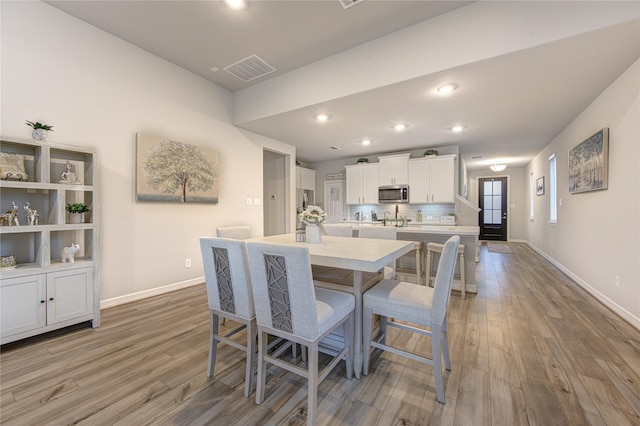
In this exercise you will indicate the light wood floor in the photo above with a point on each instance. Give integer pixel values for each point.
(530, 348)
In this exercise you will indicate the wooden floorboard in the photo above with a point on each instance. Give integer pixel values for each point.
(531, 347)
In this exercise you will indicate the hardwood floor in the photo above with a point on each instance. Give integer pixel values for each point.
(530, 348)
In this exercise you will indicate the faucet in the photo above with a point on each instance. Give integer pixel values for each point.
(396, 211)
(384, 217)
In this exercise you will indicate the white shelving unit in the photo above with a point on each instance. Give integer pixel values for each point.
(42, 293)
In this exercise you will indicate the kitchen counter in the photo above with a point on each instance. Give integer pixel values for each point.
(421, 228)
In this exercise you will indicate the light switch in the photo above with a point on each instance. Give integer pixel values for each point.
(257, 202)
(560, 201)
(249, 201)
(513, 206)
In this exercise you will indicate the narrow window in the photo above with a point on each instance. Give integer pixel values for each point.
(553, 194)
(532, 190)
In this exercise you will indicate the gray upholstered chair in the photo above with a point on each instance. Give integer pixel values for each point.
(288, 306)
(382, 233)
(239, 232)
(421, 305)
(229, 295)
(338, 230)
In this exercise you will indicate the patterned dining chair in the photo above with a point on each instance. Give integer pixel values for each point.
(421, 305)
(288, 306)
(229, 296)
(238, 232)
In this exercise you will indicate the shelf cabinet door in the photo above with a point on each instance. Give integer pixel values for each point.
(370, 183)
(354, 184)
(419, 181)
(22, 304)
(69, 295)
(443, 180)
(394, 169)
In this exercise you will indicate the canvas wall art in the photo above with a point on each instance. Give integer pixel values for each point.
(172, 171)
(540, 186)
(588, 164)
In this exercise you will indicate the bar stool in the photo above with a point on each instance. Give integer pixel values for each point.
(437, 248)
(408, 273)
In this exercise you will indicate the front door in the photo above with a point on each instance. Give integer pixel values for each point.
(493, 205)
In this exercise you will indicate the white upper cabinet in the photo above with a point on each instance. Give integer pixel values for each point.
(362, 183)
(394, 169)
(305, 178)
(432, 180)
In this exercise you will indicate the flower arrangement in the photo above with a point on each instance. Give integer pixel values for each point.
(37, 125)
(312, 214)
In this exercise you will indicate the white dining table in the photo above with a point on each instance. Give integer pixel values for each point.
(360, 255)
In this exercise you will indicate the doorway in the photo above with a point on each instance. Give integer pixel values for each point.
(493, 205)
(275, 192)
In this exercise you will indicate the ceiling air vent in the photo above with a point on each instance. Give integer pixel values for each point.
(250, 68)
(348, 3)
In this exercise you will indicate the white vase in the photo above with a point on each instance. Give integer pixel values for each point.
(313, 233)
(75, 217)
(39, 134)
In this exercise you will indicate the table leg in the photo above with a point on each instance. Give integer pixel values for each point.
(357, 335)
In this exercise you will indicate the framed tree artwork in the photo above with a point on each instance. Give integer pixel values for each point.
(177, 172)
(589, 164)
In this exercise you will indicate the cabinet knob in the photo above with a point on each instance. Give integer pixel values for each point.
(51, 298)
(42, 301)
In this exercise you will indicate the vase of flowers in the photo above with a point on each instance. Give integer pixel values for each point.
(313, 216)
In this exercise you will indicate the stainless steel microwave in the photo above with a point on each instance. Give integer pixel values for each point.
(393, 194)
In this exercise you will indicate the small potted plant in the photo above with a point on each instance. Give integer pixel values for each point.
(40, 130)
(430, 153)
(75, 212)
(362, 160)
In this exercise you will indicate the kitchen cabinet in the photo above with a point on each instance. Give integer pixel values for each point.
(362, 183)
(305, 178)
(42, 293)
(394, 169)
(432, 180)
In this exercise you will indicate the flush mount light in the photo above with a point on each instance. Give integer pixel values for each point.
(322, 117)
(457, 129)
(365, 142)
(498, 167)
(447, 88)
(400, 127)
(236, 4)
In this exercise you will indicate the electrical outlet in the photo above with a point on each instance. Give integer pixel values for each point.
(257, 202)
(617, 281)
(187, 263)
(249, 201)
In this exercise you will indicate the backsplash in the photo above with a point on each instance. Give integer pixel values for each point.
(406, 210)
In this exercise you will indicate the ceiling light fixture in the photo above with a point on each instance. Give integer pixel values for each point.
(457, 129)
(322, 117)
(365, 142)
(447, 88)
(236, 4)
(400, 127)
(498, 167)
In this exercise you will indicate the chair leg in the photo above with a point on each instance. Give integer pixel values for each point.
(437, 361)
(347, 331)
(428, 267)
(213, 343)
(463, 275)
(313, 384)
(445, 346)
(249, 377)
(262, 366)
(366, 335)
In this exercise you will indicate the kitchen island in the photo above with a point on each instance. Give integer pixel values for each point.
(435, 232)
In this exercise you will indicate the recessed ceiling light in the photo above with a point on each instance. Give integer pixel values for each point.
(447, 88)
(322, 117)
(365, 142)
(400, 127)
(457, 129)
(236, 4)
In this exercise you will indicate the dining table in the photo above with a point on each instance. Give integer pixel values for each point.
(362, 258)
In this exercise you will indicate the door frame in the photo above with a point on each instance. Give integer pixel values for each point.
(508, 198)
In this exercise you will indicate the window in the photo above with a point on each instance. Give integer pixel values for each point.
(532, 191)
(553, 194)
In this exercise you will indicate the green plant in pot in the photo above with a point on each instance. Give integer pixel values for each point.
(39, 130)
(362, 160)
(430, 153)
(75, 211)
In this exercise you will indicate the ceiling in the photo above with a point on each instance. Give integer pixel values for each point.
(511, 106)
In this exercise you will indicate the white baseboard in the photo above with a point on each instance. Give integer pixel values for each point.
(120, 300)
(628, 316)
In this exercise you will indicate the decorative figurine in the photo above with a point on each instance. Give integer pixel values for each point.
(11, 216)
(68, 176)
(32, 215)
(68, 253)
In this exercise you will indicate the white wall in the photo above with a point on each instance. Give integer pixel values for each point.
(99, 91)
(597, 236)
